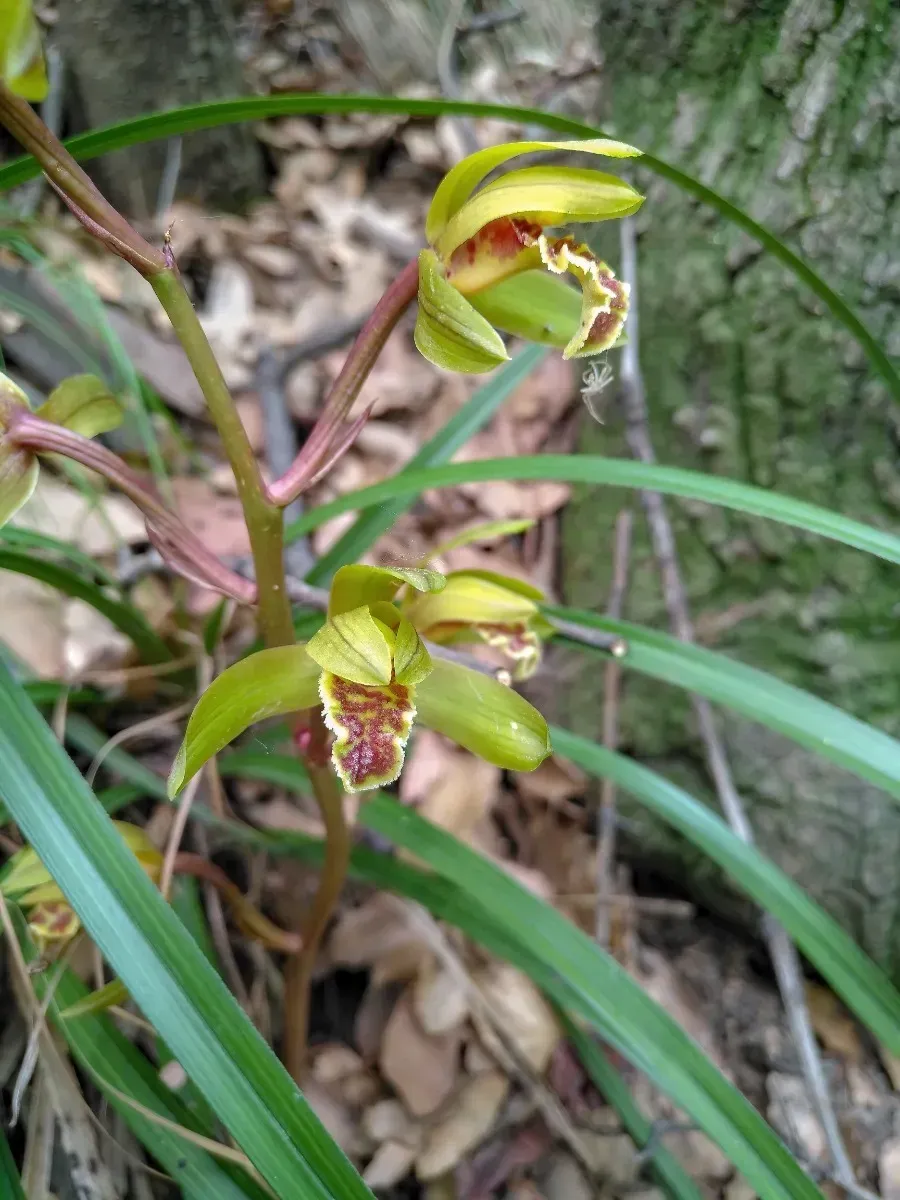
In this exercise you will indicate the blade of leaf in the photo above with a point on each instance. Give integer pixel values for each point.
(666, 1169)
(614, 472)
(474, 415)
(484, 902)
(814, 723)
(107, 1055)
(10, 1183)
(159, 963)
(124, 616)
(258, 108)
(852, 974)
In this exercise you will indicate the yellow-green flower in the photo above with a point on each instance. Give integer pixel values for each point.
(493, 262)
(21, 58)
(373, 676)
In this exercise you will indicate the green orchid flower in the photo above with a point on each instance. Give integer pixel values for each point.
(371, 672)
(492, 264)
(21, 57)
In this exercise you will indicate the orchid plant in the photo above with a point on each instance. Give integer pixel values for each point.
(384, 656)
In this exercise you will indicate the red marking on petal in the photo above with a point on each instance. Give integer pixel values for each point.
(371, 727)
(490, 254)
(53, 920)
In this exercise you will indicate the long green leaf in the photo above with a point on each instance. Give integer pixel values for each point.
(109, 1058)
(257, 108)
(124, 616)
(474, 415)
(29, 539)
(10, 1183)
(615, 472)
(862, 985)
(668, 1172)
(812, 722)
(487, 904)
(160, 964)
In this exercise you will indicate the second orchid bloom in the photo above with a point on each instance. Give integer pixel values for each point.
(370, 670)
(494, 263)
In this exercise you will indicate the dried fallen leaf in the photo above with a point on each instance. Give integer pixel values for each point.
(451, 788)
(388, 1120)
(217, 520)
(521, 1013)
(33, 615)
(440, 999)
(377, 931)
(889, 1170)
(390, 1163)
(467, 1121)
(421, 1067)
(98, 524)
(833, 1024)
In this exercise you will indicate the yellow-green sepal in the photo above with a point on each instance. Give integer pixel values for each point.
(353, 645)
(483, 716)
(543, 195)
(412, 662)
(483, 532)
(269, 683)
(357, 584)
(18, 467)
(459, 182)
(470, 600)
(534, 305)
(84, 404)
(114, 992)
(21, 57)
(449, 332)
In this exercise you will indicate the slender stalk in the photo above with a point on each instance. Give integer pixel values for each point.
(75, 186)
(347, 386)
(265, 526)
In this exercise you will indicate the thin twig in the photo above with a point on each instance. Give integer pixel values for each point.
(447, 74)
(781, 949)
(612, 675)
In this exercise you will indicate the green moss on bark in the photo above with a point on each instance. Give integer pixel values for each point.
(793, 110)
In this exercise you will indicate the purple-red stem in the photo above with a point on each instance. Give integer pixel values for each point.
(174, 539)
(329, 430)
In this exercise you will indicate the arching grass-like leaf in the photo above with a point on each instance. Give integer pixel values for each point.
(814, 723)
(257, 108)
(615, 472)
(160, 964)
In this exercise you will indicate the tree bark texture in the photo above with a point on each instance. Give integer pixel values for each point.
(792, 109)
(126, 58)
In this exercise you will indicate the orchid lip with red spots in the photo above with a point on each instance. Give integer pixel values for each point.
(487, 250)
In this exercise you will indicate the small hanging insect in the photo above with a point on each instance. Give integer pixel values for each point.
(595, 380)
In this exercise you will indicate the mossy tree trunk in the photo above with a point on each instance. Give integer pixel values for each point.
(793, 110)
(126, 58)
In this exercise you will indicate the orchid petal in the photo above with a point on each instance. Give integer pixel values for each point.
(482, 715)
(543, 195)
(357, 584)
(371, 727)
(449, 332)
(459, 182)
(353, 646)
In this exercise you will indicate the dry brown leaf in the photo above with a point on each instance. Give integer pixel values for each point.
(376, 932)
(33, 615)
(391, 1162)
(98, 524)
(833, 1024)
(889, 1170)
(453, 789)
(279, 261)
(467, 1121)
(553, 781)
(791, 1113)
(422, 1068)
(335, 1062)
(388, 1120)
(217, 520)
(440, 999)
(338, 1118)
(564, 1179)
(91, 640)
(522, 1014)
(227, 318)
(372, 1017)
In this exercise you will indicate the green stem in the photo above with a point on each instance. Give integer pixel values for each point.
(265, 525)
